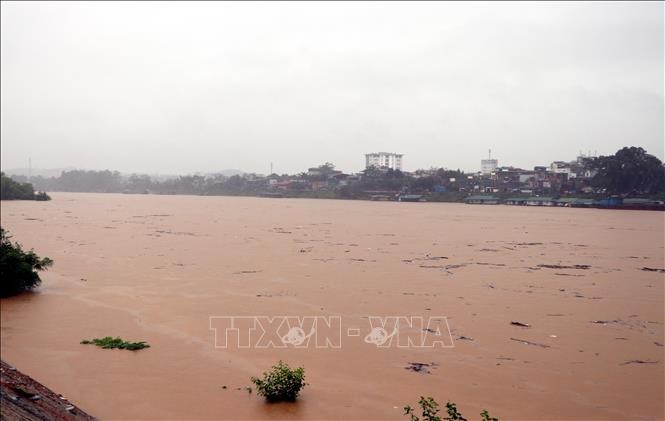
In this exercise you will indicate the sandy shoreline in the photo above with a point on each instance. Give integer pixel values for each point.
(156, 268)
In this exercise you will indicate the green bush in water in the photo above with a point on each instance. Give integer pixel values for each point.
(109, 342)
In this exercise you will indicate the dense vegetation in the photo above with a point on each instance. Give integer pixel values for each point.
(109, 342)
(12, 190)
(18, 268)
(629, 171)
(281, 384)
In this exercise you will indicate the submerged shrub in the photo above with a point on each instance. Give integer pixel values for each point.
(281, 384)
(430, 408)
(109, 342)
(453, 414)
(485, 416)
(18, 268)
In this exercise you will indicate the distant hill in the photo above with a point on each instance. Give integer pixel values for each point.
(49, 172)
(55, 172)
(231, 172)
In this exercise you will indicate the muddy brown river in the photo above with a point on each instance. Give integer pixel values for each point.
(394, 301)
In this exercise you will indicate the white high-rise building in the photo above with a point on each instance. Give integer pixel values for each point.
(384, 160)
(488, 166)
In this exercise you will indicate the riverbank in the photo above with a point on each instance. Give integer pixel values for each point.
(24, 399)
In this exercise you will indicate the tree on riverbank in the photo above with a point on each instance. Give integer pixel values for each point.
(18, 268)
(629, 171)
(13, 190)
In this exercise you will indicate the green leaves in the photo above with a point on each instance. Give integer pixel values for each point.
(453, 413)
(430, 409)
(486, 417)
(281, 384)
(109, 342)
(629, 171)
(18, 268)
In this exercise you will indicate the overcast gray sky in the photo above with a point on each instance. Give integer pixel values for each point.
(185, 87)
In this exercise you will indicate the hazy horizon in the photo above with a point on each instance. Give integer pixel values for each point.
(176, 88)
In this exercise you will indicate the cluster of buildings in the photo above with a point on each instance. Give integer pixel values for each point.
(558, 178)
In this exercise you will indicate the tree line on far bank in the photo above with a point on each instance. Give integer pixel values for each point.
(630, 171)
(13, 190)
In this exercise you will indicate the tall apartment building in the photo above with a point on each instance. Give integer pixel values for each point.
(488, 166)
(384, 160)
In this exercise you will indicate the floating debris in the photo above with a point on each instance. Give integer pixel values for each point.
(428, 257)
(456, 266)
(520, 324)
(279, 230)
(420, 367)
(582, 267)
(638, 362)
(525, 342)
(653, 270)
(604, 322)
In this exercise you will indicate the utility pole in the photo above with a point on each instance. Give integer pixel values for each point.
(29, 169)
